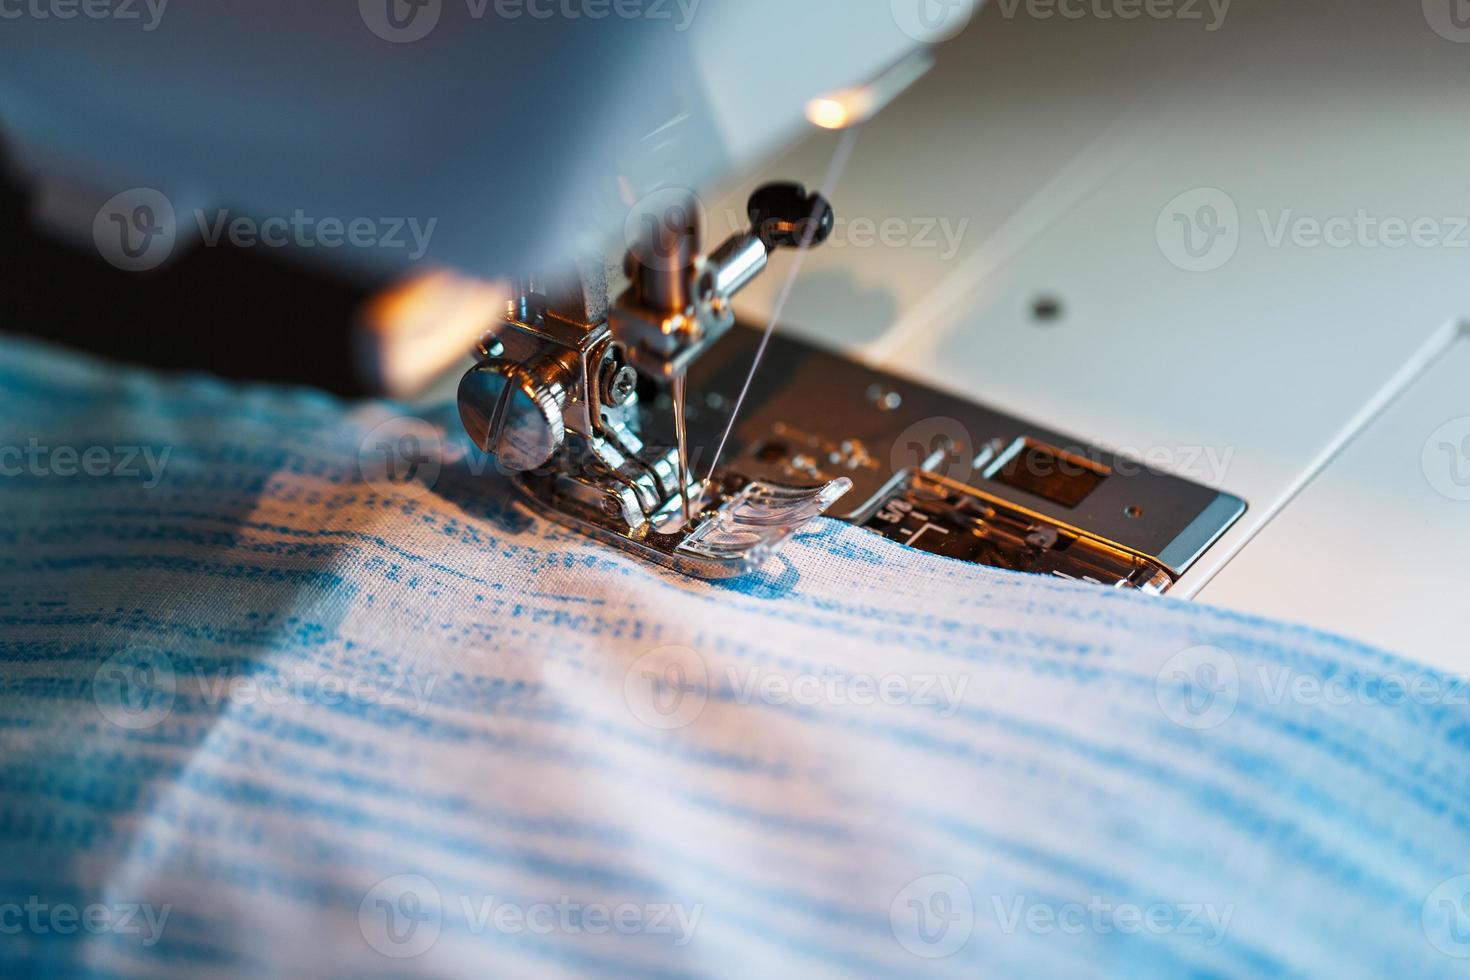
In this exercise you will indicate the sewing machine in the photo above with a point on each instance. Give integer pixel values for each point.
(601, 406)
(930, 402)
(589, 405)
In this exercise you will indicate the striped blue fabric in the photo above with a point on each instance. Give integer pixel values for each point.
(293, 687)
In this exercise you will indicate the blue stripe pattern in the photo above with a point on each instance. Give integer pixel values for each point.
(269, 709)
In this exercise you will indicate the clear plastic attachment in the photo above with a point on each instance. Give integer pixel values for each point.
(737, 526)
(747, 528)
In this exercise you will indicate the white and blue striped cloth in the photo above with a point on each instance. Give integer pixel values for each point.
(266, 710)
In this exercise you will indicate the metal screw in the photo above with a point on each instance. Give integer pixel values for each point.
(622, 385)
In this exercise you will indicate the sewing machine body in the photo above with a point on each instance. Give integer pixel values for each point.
(1324, 385)
(1051, 259)
(516, 129)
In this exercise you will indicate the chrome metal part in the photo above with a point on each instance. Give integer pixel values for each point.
(586, 402)
(945, 475)
(556, 395)
(514, 411)
(678, 303)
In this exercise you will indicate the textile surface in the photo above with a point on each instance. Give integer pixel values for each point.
(294, 687)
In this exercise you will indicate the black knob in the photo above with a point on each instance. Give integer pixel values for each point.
(786, 216)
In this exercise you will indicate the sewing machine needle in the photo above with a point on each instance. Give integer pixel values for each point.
(677, 390)
(834, 173)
